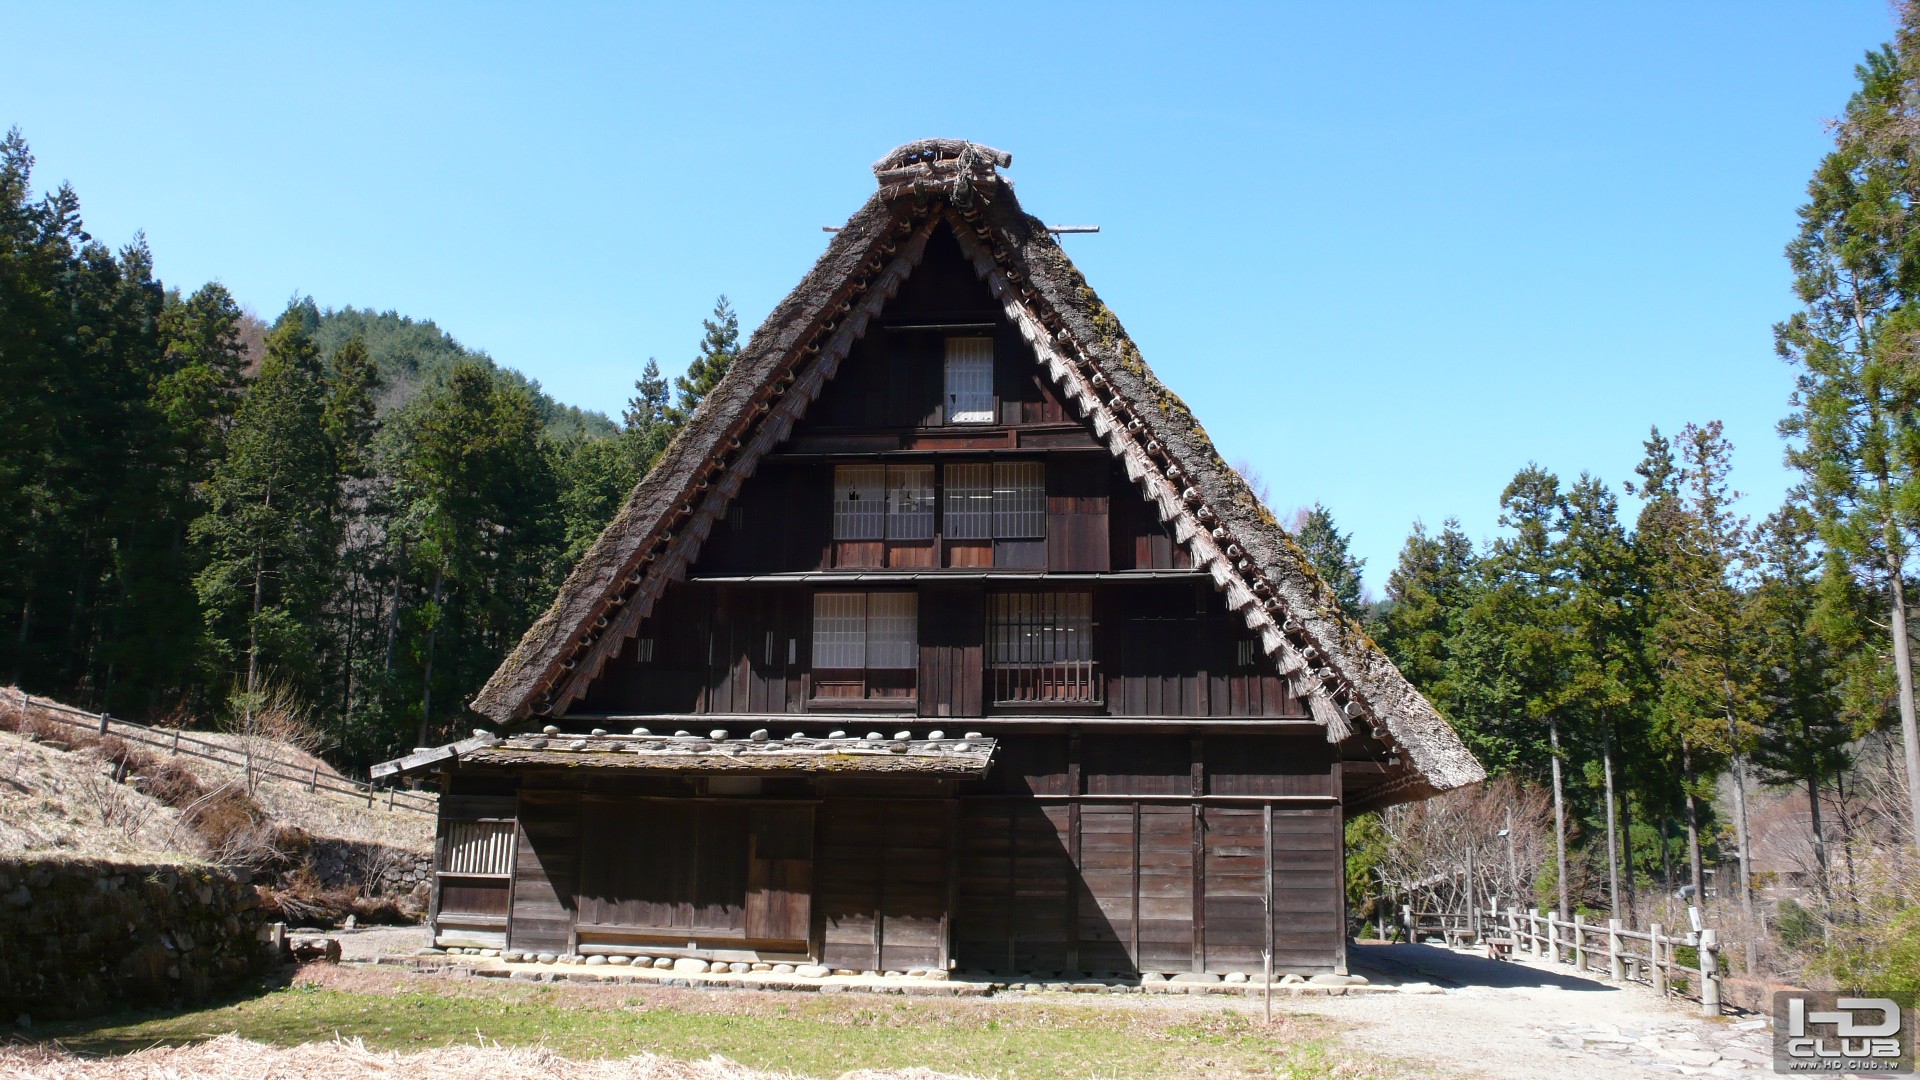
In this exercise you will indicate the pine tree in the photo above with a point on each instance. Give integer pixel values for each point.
(718, 346)
(1425, 595)
(1853, 433)
(1330, 553)
(1803, 735)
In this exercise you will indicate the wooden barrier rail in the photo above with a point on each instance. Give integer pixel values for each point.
(174, 741)
(1609, 949)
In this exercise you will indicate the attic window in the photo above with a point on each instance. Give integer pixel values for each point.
(998, 500)
(969, 380)
(882, 502)
(865, 645)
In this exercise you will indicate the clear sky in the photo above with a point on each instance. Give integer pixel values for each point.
(1389, 253)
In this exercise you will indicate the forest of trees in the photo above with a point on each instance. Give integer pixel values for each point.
(343, 509)
(1651, 666)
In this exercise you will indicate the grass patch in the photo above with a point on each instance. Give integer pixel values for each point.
(809, 1034)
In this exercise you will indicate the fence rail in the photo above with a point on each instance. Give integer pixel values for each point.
(175, 741)
(1650, 956)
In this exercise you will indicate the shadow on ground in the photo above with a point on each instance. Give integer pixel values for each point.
(1399, 963)
(97, 1036)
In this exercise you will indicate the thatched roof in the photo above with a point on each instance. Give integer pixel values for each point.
(1349, 684)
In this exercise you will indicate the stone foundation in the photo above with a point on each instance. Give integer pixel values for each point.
(83, 937)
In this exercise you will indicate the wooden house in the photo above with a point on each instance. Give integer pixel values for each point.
(940, 638)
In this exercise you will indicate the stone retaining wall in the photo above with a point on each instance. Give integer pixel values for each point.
(79, 937)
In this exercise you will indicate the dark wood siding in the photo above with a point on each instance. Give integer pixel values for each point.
(951, 676)
(1077, 532)
(1239, 764)
(1308, 868)
(544, 872)
(883, 896)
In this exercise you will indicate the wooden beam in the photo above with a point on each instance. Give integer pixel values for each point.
(421, 759)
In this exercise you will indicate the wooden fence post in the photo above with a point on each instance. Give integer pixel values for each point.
(104, 721)
(1659, 969)
(313, 784)
(1579, 943)
(1710, 972)
(1616, 964)
(1406, 920)
(1553, 937)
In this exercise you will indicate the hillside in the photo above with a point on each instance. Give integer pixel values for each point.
(414, 353)
(66, 792)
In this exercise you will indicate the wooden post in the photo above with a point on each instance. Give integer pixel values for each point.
(1710, 973)
(1473, 913)
(1406, 920)
(104, 721)
(176, 740)
(1579, 943)
(313, 784)
(1553, 937)
(1616, 965)
(1659, 969)
(390, 792)
(1266, 992)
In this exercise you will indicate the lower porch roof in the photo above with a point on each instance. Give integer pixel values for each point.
(716, 752)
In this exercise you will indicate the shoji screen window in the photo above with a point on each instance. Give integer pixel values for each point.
(969, 394)
(866, 645)
(995, 514)
(883, 515)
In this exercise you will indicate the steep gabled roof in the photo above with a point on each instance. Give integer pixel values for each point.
(1265, 577)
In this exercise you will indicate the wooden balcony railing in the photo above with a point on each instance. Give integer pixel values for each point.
(1069, 682)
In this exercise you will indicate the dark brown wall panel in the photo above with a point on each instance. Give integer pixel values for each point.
(1077, 532)
(883, 883)
(544, 872)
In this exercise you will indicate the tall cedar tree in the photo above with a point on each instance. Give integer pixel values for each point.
(1330, 553)
(1855, 431)
(477, 494)
(267, 534)
(1803, 735)
(719, 345)
(1525, 603)
(1603, 676)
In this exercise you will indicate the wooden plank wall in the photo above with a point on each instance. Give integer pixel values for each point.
(883, 884)
(545, 872)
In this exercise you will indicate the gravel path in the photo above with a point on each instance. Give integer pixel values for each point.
(1514, 1019)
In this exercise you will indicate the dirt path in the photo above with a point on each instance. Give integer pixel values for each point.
(1518, 1020)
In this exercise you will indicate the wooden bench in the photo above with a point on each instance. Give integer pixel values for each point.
(1499, 948)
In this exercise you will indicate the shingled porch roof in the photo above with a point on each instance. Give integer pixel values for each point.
(1348, 682)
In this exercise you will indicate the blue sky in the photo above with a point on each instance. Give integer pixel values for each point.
(1389, 253)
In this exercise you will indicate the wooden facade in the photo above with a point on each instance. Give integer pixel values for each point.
(942, 553)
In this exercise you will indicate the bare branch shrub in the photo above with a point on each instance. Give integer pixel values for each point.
(1427, 844)
(270, 725)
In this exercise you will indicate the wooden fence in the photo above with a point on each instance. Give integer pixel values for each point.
(175, 741)
(1651, 957)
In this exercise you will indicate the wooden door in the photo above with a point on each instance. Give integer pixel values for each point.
(780, 874)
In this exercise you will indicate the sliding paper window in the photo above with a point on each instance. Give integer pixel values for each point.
(999, 500)
(883, 502)
(866, 631)
(969, 380)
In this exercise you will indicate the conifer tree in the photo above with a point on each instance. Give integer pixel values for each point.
(1803, 735)
(1602, 613)
(1855, 429)
(266, 535)
(1330, 553)
(719, 344)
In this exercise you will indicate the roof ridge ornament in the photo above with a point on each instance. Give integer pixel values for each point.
(952, 168)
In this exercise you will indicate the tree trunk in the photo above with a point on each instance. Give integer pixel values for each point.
(1819, 834)
(1745, 853)
(1613, 845)
(1559, 817)
(1626, 856)
(253, 633)
(1698, 872)
(1903, 671)
(426, 682)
